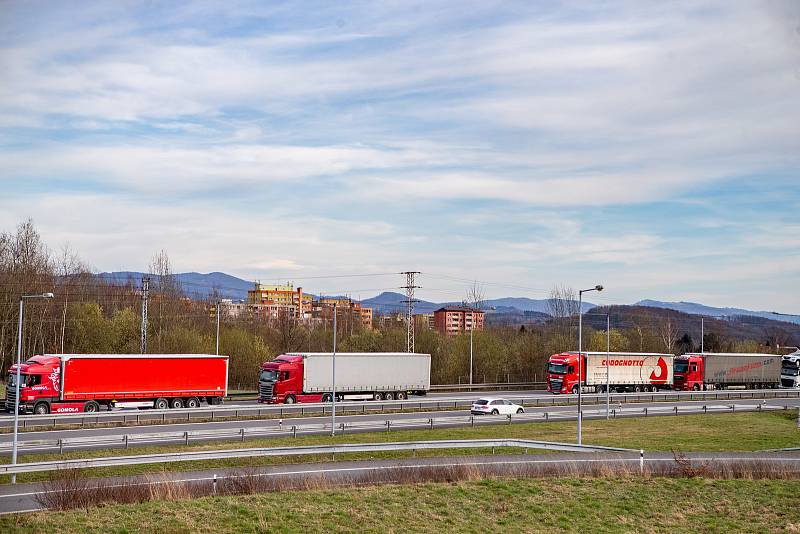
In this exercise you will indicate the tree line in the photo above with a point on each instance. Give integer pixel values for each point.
(92, 315)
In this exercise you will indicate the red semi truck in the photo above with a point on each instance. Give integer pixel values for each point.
(627, 371)
(719, 370)
(307, 376)
(72, 383)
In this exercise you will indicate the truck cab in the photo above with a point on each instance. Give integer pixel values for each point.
(790, 370)
(562, 373)
(39, 384)
(281, 381)
(688, 372)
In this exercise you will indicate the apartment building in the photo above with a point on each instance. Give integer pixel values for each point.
(269, 301)
(346, 309)
(455, 320)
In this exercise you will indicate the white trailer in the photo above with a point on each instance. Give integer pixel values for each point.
(360, 374)
(629, 371)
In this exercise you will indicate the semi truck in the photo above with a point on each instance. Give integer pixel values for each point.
(790, 370)
(620, 371)
(308, 377)
(720, 370)
(73, 383)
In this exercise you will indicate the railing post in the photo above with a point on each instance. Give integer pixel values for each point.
(186, 437)
(214, 485)
(431, 422)
(472, 420)
(242, 431)
(388, 425)
(676, 410)
(641, 461)
(294, 431)
(61, 446)
(126, 441)
(509, 419)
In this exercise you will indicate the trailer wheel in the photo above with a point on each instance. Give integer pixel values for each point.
(388, 395)
(161, 404)
(326, 397)
(289, 399)
(41, 408)
(176, 403)
(192, 402)
(377, 396)
(637, 389)
(401, 395)
(91, 407)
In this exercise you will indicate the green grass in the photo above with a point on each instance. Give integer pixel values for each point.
(718, 432)
(527, 505)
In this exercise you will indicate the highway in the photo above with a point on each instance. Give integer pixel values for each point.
(150, 434)
(22, 497)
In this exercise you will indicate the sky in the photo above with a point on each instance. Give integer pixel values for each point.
(652, 147)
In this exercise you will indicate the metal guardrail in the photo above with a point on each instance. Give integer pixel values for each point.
(414, 446)
(185, 437)
(495, 386)
(364, 407)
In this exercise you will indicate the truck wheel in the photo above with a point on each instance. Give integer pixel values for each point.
(377, 396)
(388, 395)
(637, 389)
(326, 397)
(91, 407)
(696, 387)
(176, 403)
(41, 409)
(575, 390)
(289, 399)
(401, 395)
(161, 404)
(192, 402)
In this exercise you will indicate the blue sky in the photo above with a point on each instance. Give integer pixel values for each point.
(653, 147)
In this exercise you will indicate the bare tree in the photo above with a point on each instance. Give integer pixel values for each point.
(476, 296)
(166, 289)
(563, 306)
(668, 332)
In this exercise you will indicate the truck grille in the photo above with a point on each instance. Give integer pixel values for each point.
(11, 396)
(787, 383)
(265, 391)
(555, 385)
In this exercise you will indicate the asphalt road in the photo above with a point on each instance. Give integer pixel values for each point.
(22, 497)
(140, 438)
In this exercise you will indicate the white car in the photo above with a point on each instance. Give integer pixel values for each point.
(495, 406)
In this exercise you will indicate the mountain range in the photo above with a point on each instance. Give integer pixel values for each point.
(201, 286)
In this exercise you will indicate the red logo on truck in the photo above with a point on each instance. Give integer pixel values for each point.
(661, 377)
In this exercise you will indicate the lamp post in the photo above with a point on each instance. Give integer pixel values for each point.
(19, 372)
(333, 372)
(580, 355)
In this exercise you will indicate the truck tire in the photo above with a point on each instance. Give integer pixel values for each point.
(91, 407)
(161, 403)
(326, 397)
(289, 399)
(388, 395)
(192, 402)
(696, 387)
(575, 389)
(176, 403)
(637, 389)
(377, 396)
(401, 395)
(41, 408)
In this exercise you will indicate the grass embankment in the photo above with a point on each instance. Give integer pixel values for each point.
(525, 505)
(718, 432)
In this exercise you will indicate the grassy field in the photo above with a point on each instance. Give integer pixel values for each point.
(528, 505)
(719, 432)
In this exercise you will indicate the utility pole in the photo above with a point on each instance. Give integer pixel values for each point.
(219, 303)
(702, 335)
(409, 301)
(145, 292)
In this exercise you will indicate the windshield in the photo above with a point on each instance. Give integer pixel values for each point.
(268, 375)
(681, 367)
(481, 402)
(25, 380)
(558, 368)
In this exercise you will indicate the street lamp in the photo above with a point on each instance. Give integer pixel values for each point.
(16, 387)
(580, 354)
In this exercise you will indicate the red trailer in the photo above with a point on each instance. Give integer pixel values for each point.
(71, 383)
